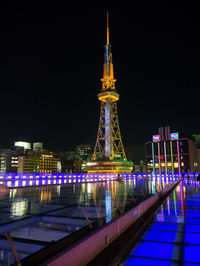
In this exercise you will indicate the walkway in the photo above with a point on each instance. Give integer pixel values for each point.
(174, 236)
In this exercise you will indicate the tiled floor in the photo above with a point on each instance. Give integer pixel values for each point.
(174, 236)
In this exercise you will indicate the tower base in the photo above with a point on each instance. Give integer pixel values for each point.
(109, 166)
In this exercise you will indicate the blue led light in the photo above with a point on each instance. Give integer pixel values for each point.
(156, 250)
(9, 179)
(163, 226)
(145, 262)
(192, 211)
(192, 238)
(190, 264)
(162, 236)
(192, 228)
(192, 215)
(192, 221)
(193, 202)
(192, 254)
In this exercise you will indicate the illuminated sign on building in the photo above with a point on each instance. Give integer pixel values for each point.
(174, 136)
(156, 138)
(25, 145)
(38, 146)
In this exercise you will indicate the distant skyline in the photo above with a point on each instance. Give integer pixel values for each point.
(52, 62)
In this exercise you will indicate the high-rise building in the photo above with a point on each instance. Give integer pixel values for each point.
(169, 153)
(109, 154)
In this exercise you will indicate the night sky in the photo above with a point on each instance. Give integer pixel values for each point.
(51, 62)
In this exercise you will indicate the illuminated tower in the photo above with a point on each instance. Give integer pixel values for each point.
(109, 154)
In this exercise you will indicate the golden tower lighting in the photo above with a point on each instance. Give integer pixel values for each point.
(109, 154)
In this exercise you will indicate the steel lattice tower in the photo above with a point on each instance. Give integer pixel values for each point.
(109, 141)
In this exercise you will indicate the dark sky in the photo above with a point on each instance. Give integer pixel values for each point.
(51, 64)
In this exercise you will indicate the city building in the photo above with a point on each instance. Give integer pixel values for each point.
(84, 151)
(8, 161)
(49, 163)
(197, 142)
(71, 162)
(28, 163)
(39, 163)
(140, 167)
(23, 159)
(171, 153)
(109, 154)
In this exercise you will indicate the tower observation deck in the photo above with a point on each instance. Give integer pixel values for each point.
(109, 154)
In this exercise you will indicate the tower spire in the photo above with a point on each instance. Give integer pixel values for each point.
(108, 81)
(107, 28)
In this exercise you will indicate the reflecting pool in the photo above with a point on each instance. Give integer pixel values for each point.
(36, 216)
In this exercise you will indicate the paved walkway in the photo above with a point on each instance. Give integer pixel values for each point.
(174, 236)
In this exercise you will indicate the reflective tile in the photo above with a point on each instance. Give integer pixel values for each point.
(156, 250)
(192, 238)
(147, 262)
(162, 236)
(192, 253)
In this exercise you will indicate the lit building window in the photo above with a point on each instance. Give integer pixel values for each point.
(176, 165)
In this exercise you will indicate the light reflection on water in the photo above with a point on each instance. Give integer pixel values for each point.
(110, 195)
(18, 208)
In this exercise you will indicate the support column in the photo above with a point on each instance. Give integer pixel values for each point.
(172, 159)
(107, 130)
(178, 154)
(159, 157)
(153, 158)
(165, 153)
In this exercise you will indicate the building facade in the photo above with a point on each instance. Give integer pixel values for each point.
(24, 159)
(170, 153)
(8, 161)
(49, 163)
